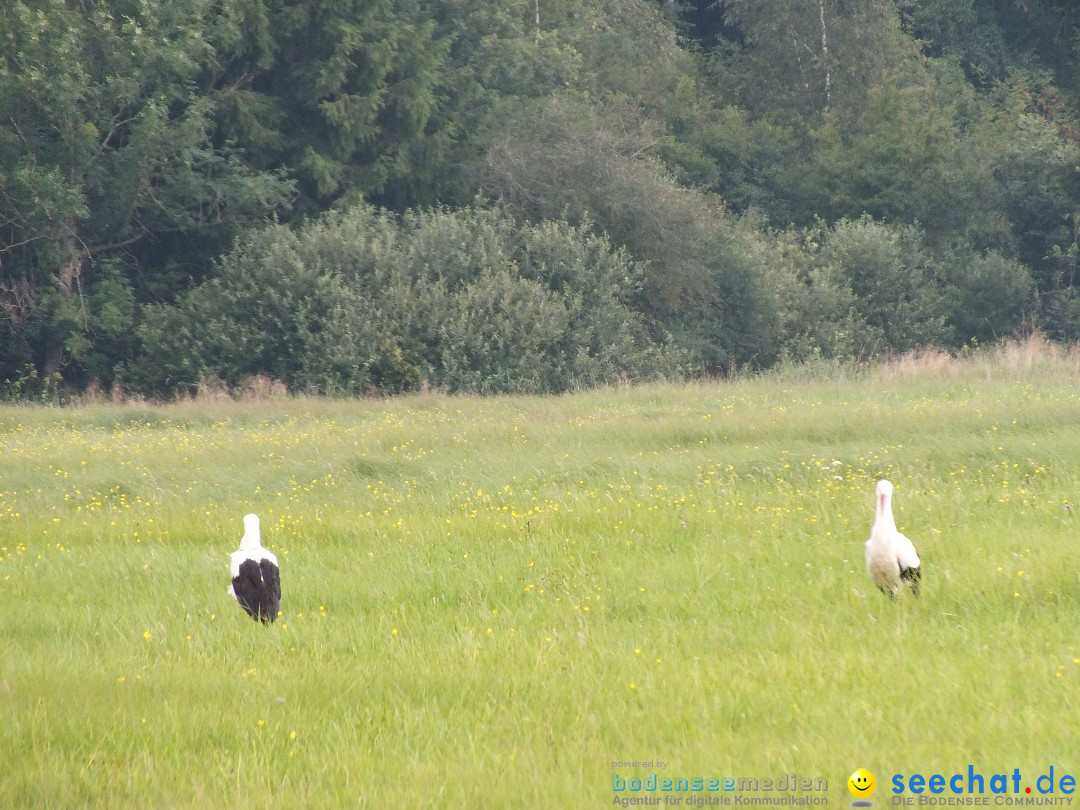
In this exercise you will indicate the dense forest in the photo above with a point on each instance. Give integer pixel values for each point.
(359, 196)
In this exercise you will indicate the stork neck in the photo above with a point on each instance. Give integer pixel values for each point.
(251, 538)
(884, 510)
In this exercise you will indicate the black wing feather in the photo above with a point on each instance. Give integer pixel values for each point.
(913, 577)
(258, 589)
(270, 600)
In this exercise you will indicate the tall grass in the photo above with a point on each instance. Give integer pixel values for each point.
(489, 601)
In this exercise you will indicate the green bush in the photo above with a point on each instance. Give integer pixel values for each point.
(257, 316)
(989, 296)
(361, 301)
(896, 284)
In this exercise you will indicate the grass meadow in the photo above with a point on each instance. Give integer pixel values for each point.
(488, 602)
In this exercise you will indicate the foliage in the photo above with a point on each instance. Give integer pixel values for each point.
(106, 142)
(894, 281)
(988, 296)
(361, 301)
(596, 165)
(796, 60)
(781, 173)
(355, 89)
(862, 288)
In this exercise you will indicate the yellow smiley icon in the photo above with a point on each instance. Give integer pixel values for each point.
(861, 784)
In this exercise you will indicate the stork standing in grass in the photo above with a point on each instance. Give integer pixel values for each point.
(256, 583)
(891, 559)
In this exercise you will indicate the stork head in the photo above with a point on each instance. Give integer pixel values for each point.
(884, 495)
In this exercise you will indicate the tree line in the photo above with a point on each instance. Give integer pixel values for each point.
(530, 195)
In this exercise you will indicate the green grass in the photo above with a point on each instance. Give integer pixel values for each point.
(488, 601)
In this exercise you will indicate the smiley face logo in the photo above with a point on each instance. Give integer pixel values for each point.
(862, 784)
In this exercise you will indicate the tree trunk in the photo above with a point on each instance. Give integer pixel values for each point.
(825, 55)
(64, 282)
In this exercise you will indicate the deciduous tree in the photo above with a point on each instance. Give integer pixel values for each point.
(107, 143)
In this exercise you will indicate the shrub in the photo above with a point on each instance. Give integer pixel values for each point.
(989, 296)
(361, 301)
(896, 284)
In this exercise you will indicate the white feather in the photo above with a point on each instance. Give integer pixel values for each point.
(888, 552)
(250, 548)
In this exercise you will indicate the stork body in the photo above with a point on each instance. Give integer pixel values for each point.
(256, 582)
(891, 559)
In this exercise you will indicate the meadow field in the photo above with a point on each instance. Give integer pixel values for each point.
(497, 602)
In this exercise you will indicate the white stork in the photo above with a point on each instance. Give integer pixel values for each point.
(891, 559)
(256, 583)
